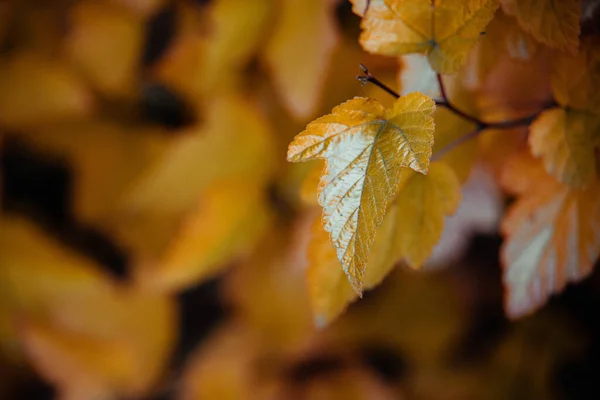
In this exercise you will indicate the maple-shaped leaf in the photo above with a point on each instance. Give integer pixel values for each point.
(299, 51)
(444, 30)
(366, 147)
(564, 139)
(552, 22)
(552, 235)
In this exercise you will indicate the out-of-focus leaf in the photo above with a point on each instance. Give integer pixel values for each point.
(143, 7)
(503, 40)
(37, 91)
(564, 140)
(106, 157)
(575, 78)
(105, 43)
(82, 331)
(551, 235)
(445, 31)
(219, 229)
(366, 147)
(299, 51)
(421, 205)
(238, 28)
(275, 270)
(552, 22)
(234, 142)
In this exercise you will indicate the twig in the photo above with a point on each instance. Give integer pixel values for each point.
(367, 77)
(445, 102)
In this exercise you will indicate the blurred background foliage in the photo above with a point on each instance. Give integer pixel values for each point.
(153, 237)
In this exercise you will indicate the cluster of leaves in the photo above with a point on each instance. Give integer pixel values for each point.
(378, 190)
(176, 148)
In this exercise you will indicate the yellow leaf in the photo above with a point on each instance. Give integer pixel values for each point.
(299, 51)
(275, 270)
(238, 29)
(329, 291)
(103, 165)
(223, 367)
(551, 236)
(105, 43)
(563, 138)
(234, 142)
(421, 205)
(552, 22)
(444, 30)
(37, 91)
(575, 79)
(82, 331)
(219, 229)
(366, 147)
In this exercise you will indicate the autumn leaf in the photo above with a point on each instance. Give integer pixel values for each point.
(575, 79)
(564, 138)
(217, 230)
(421, 206)
(552, 22)
(552, 235)
(411, 228)
(299, 51)
(443, 30)
(105, 43)
(366, 147)
(234, 142)
(37, 90)
(82, 331)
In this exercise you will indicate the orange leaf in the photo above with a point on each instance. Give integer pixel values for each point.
(564, 139)
(552, 22)
(552, 235)
(443, 30)
(575, 79)
(299, 51)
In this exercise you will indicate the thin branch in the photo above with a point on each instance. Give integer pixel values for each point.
(481, 125)
(446, 103)
(367, 77)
